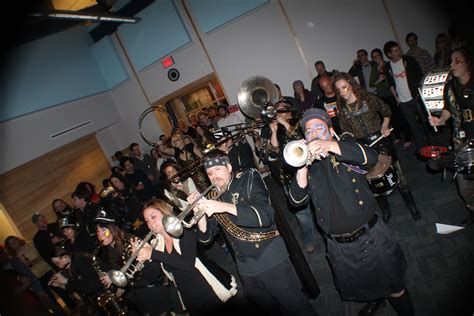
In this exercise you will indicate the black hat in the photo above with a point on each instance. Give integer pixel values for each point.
(104, 217)
(315, 113)
(66, 221)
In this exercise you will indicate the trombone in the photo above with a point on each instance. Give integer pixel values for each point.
(240, 131)
(174, 225)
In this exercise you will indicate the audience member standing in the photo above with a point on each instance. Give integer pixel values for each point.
(321, 70)
(361, 69)
(143, 162)
(378, 80)
(422, 56)
(304, 99)
(442, 50)
(328, 101)
(46, 237)
(86, 211)
(138, 179)
(405, 75)
(227, 118)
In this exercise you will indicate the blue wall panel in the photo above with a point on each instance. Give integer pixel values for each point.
(211, 14)
(160, 32)
(47, 72)
(109, 62)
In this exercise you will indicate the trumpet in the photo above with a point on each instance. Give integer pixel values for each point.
(174, 225)
(296, 153)
(121, 277)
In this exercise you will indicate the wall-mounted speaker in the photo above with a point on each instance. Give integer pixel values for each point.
(173, 74)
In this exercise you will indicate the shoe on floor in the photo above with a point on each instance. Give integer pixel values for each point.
(468, 221)
(372, 307)
(309, 248)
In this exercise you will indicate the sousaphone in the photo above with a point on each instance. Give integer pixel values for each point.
(257, 97)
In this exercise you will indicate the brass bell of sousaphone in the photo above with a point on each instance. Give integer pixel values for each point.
(257, 97)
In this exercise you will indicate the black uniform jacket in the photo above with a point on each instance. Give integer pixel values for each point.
(248, 193)
(352, 187)
(85, 279)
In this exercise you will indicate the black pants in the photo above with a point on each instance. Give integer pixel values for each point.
(277, 291)
(411, 112)
(399, 124)
(63, 294)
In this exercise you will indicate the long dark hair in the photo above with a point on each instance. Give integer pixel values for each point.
(360, 94)
(59, 252)
(128, 189)
(467, 54)
(118, 238)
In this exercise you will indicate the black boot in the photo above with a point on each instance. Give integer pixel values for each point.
(372, 307)
(469, 220)
(410, 203)
(403, 304)
(384, 207)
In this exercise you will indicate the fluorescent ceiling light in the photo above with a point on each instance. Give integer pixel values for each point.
(68, 15)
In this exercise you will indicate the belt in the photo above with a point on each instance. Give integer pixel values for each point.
(351, 237)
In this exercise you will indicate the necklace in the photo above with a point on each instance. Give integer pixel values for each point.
(353, 109)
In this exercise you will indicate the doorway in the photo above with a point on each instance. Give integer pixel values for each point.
(198, 96)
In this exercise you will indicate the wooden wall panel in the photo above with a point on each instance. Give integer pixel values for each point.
(33, 186)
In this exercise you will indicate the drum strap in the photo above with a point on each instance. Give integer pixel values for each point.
(355, 168)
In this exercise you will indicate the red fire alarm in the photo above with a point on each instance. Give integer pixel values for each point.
(167, 62)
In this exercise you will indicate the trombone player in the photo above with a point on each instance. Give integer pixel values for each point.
(246, 218)
(367, 263)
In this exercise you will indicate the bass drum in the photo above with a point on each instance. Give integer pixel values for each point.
(464, 158)
(382, 177)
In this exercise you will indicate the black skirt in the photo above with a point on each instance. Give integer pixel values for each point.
(369, 268)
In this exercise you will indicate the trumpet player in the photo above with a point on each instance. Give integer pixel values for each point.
(146, 290)
(246, 218)
(284, 129)
(368, 264)
(202, 287)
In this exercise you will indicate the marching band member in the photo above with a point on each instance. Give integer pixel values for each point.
(145, 291)
(203, 287)
(368, 264)
(285, 129)
(175, 188)
(459, 104)
(75, 239)
(236, 148)
(246, 218)
(360, 114)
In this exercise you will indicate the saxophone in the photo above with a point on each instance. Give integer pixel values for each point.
(108, 296)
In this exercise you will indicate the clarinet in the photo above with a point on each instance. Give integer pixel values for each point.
(107, 296)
